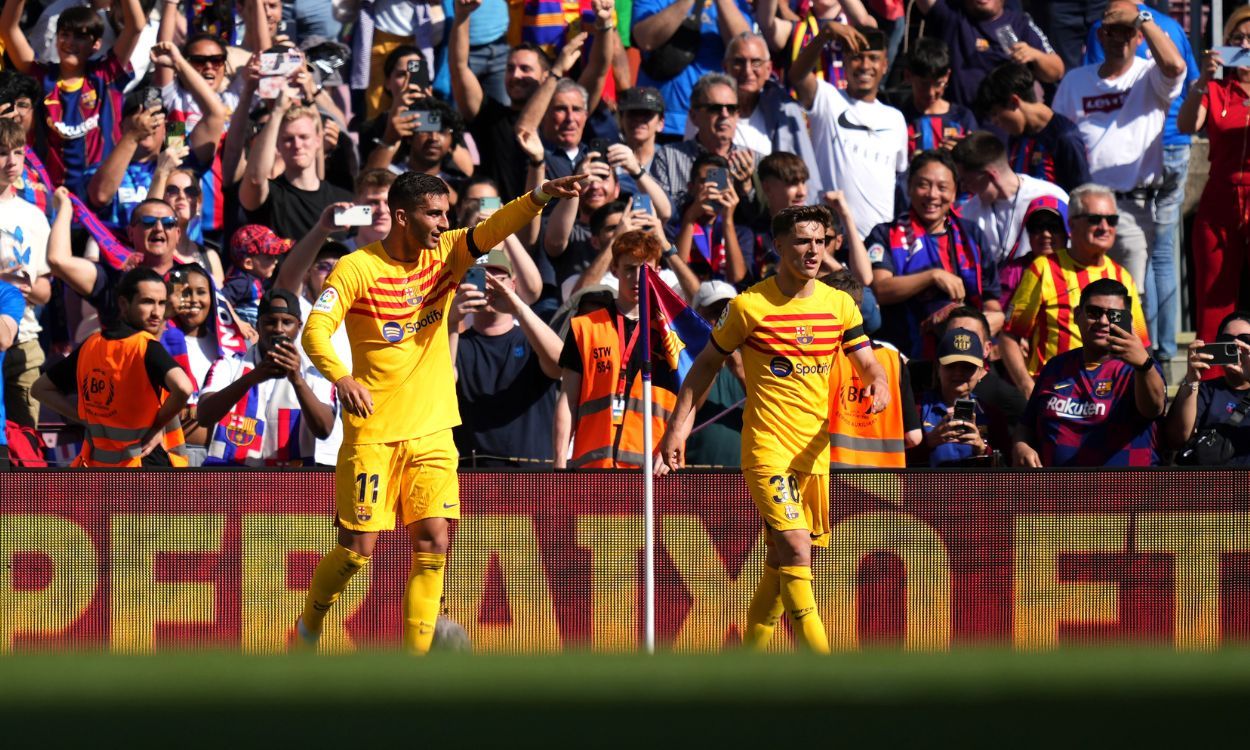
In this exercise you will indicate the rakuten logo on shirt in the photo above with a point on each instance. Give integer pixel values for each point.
(1071, 408)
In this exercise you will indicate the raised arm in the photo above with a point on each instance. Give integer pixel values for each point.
(775, 30)
(103, 186)
(1162, 48)
(547, 345)
(79, 274)
(133, 22)
(1193, 114)
(730, 20)
(653, 31)
(255, 188)
(535, 175)
(595, 75)
(529, 282)
(802, 76)
(163, 76)
(16, 45)
(295, 266)
(233, 154)
(465, 87)
(538, 102)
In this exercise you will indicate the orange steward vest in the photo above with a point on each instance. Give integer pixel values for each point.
(598, 443)
(858, 439)
(117, 404)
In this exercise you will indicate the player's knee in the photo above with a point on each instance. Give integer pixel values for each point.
(431, 536)
(360, 542)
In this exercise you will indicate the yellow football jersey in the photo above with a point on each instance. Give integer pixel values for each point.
(789, 346)
(394, 314)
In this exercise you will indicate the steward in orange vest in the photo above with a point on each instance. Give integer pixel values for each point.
(129, 389)
(600, 404)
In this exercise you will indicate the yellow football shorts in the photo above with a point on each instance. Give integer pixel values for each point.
(410, 480)
(789, 500)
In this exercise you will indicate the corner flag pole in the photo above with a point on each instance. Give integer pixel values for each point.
(648, 478)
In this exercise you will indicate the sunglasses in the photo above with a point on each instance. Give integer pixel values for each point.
(190, 191)
(1095, 313)
(729, 109)
(216, 60)
(1242, 337)
(150, 221)
(1096, 219)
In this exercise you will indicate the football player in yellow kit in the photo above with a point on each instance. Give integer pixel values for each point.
(399, 400)
(790, 330)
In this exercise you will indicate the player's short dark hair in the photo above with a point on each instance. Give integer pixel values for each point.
(410, 188)
(129, 283)
(929, 58)
(1002, 83)
(930, 156)
(81, 19)
(844, 280)
(392, 59)
(784, 166)
(979, 150)
(544, 60)
(786, 218)
(14, 86)
(967, 311)
(600, 217)
(1104, 288)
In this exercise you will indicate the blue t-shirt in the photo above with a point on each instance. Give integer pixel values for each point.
(932, 411)
(1094, 54)
(709, 59)
(136, 181)
(975, 48)
(12, 304)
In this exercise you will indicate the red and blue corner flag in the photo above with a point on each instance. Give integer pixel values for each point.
(683, 332)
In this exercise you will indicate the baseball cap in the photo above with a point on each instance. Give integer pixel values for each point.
(712, 291)
(255, 239)
(961, 345)
(496, 258)
(640, 98)
(1049, 204)
(266, 302)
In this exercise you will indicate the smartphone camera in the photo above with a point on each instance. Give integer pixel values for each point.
(965, 410)
(1119, 319)
(1222, 353)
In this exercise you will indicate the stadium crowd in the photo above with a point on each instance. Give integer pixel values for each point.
(1001, 185)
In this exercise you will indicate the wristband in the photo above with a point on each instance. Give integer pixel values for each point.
(540, 197)
(1146, 366)
(537, 162)
(670, 252)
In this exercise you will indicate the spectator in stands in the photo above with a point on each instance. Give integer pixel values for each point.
(613, 221)
(202, 53)
(1221, 233)
(932, 121)
(24, 267)
(182, 192)
(981, 36)
(948, 439)
(566, 235)
(1095, 405)
(194, 339)
(1221, 405)
(267, 407)
(769, 119)
(714, 112)
(1042, 143)
(997, 397)
(1041, 319)
(507, 371)
(702, 28)
(290, 204)
(707, 237)
(716, 439)
(1045, 227)
(787, 36)
(102, 383)
(18, 95)
(1000, 196)
(152, 232)
(857, 437)
(1161, 291)
(371, 189)
(1122, 122)
(599, 409)
(861, 143)
(12, 309)
(255, 250)
(391, 44)
(526, 276)
(929, 259)
(84, 120)
(392, 128)
(784, 180)
(406, 144)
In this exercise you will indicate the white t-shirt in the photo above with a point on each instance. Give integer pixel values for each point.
(24, 245)
(1121, 121)
(861, 148)
(1003, 220)
(751, 133)
(255, 439)
(201, 354)
(178, 99)
(327, 451)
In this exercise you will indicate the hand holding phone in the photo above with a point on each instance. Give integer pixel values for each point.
(965, 410)
(642, 202)
(489, 203)
(355, 216)
(476, 275)
(1222, 353)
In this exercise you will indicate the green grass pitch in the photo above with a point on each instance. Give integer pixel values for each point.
(1069, 698)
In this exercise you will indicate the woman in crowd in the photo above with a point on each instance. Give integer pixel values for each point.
(1221, 242)
(193, 337)
(1218, 405)
(182, 192)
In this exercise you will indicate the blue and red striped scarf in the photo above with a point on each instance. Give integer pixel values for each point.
(112, 251)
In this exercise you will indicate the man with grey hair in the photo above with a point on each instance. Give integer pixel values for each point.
(860, 143)
(769, 119)
(714, 112)
(1042, 312)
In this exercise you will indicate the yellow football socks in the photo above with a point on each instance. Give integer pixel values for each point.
(328, 581)
(421, 600)
(800, 604)
(765, 610)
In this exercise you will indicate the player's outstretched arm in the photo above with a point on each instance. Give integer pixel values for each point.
(871, 372)
(671, 454)
(514, 216)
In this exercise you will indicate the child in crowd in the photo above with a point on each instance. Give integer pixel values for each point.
(255, 250)
(932, 122)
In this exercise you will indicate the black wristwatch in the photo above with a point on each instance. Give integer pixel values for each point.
(537, 162)
(1145, 366)
(670, 252)
(637, 177)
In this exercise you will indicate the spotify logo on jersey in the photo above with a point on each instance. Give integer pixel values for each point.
(392, 332)
(780, 366)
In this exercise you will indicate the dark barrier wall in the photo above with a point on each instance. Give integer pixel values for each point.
(140, 562)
